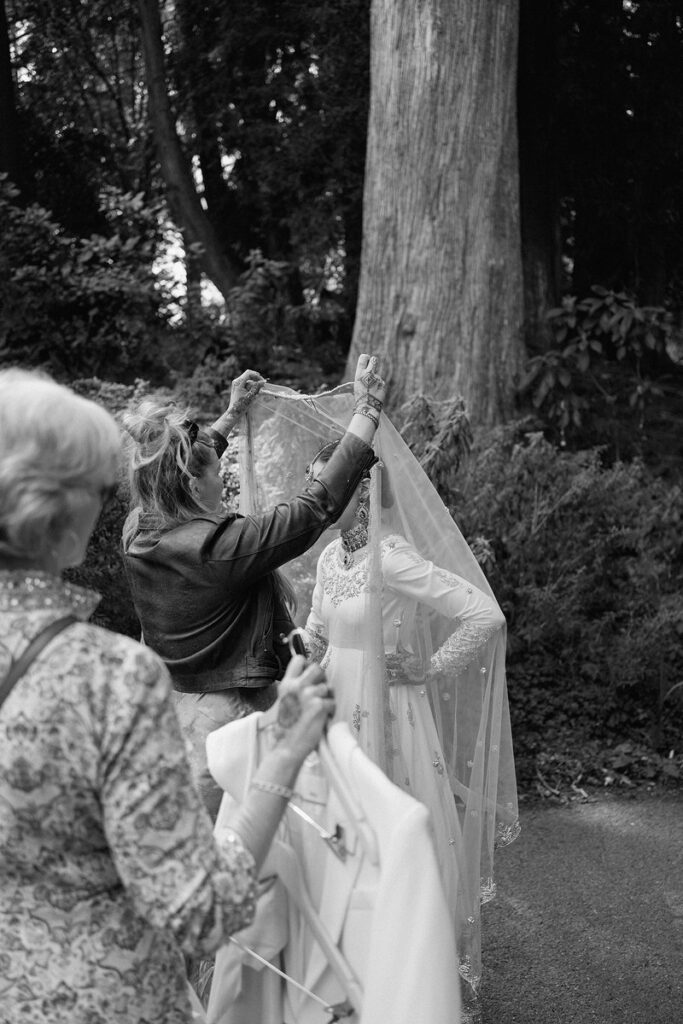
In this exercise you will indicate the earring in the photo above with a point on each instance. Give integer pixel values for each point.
(363, 512)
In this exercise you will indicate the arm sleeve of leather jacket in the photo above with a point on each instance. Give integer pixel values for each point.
(251, 546)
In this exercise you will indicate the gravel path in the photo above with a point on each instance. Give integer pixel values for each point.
(588, 922)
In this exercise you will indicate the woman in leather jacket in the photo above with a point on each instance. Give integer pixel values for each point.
(204, 582)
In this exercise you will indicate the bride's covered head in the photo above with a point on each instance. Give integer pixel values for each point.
(357, 509)
(323, 456)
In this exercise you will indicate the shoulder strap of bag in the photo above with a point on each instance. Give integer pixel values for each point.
(30, 653)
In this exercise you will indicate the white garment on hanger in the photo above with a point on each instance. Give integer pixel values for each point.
(388, 918)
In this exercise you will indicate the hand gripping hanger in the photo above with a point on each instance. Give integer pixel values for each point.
(338, 783)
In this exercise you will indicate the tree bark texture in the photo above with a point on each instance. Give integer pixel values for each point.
(182, 196)
(441, 280)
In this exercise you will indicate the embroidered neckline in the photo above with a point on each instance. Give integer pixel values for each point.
(352, 540)
(341, 582)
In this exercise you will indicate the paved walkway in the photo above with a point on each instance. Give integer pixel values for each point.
(588, 922)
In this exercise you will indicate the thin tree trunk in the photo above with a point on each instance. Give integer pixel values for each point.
(193, 282)
(441, 278)
(539, 203)
(10, 140)
(180, 189)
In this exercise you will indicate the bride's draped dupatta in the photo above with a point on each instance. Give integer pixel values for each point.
(282, 433)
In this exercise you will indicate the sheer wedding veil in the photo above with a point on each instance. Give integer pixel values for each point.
(282, 433)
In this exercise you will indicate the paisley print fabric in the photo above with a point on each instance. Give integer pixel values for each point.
(109, 871)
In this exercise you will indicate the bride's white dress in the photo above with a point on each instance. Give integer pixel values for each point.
(339, 629)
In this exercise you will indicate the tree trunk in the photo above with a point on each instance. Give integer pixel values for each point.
(193, 283)
(10, 142)
(182, 196)
(539, 202)
(441, 277)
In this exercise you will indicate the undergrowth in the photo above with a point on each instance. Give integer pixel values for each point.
(586, 560)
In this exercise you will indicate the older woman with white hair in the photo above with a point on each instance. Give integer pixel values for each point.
(109, 870)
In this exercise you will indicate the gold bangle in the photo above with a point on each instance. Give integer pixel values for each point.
(272, 787)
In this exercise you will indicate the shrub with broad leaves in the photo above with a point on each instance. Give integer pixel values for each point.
(607, 355)
(586, 560)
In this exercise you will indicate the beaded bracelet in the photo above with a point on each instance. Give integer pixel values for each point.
(272, 787)
(365, 410)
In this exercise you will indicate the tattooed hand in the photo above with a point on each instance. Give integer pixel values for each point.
(369, 388)
(303, 709)
(244, 390)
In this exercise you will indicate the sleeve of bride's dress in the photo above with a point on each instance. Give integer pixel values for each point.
(316, 629)
(476, 616)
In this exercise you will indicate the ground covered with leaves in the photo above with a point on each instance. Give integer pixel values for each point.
(576, 746)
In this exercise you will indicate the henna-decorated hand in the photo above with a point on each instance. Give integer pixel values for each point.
(369, 388)
(304, 706)
(244, 390)
(405, 669)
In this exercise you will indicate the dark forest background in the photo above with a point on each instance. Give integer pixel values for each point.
(181, 197)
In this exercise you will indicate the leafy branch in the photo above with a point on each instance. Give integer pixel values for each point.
(572, 382)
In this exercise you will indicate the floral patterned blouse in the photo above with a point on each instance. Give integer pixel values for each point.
(109, 870)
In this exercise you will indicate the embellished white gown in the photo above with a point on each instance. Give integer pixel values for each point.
(395, 726)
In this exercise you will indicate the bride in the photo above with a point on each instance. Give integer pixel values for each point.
(412, 640)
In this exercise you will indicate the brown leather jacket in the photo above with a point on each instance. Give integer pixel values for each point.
(205, 593)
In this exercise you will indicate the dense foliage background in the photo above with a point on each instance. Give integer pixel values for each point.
(574, 508)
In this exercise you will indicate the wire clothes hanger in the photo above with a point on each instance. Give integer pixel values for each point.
(338, 1010)
(335, 840)
(289, 872)
(290, 875)
(339, 784)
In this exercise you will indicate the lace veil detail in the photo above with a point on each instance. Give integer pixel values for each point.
(468, 695)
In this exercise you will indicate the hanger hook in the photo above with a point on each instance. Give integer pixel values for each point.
(296, 642)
